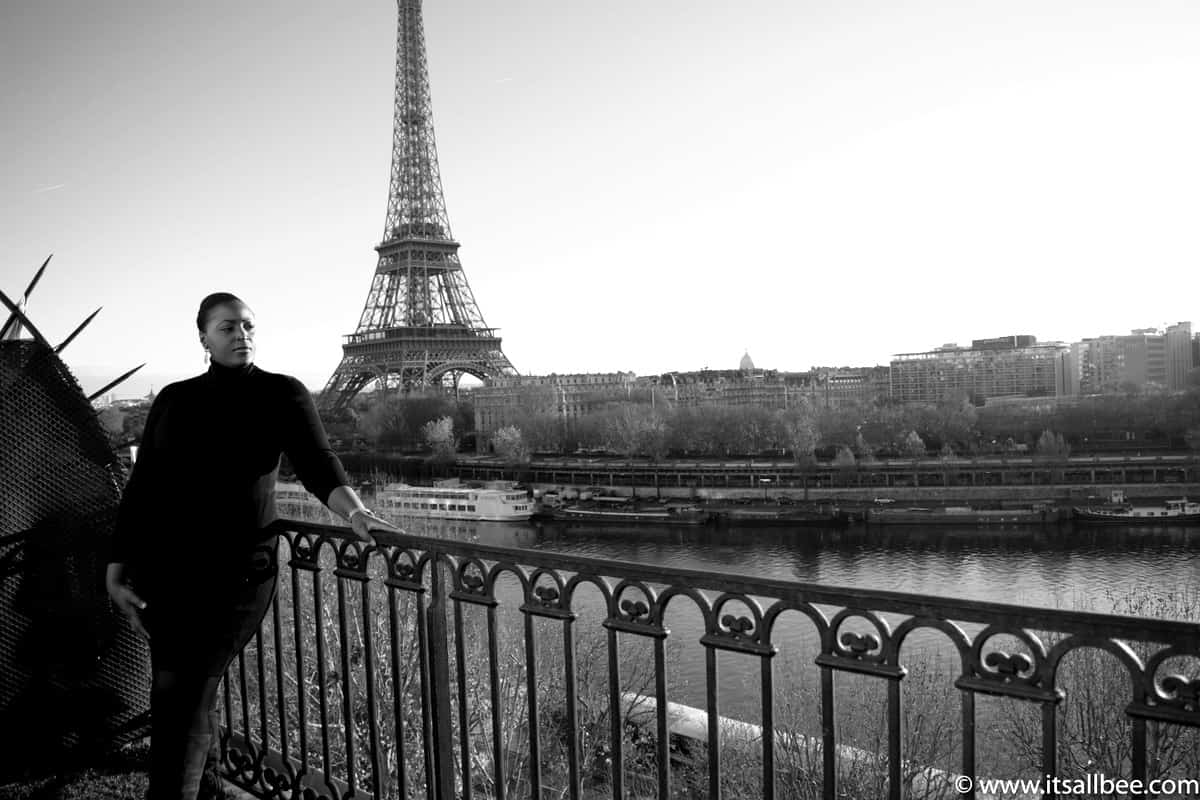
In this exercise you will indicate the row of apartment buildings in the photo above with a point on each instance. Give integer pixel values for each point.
(990, 369)
(1018, 366)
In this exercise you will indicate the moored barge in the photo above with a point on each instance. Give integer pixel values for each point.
(1118, 511)
(963, 515)
(624, 511)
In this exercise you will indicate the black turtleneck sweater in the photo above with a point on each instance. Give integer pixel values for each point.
(203, 487)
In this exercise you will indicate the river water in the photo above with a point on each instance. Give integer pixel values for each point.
(1071, 567)
(1066, 566)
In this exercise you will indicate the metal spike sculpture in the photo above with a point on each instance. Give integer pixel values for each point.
(420, 326)
(18, 320)
(12, 326)
(62, 646)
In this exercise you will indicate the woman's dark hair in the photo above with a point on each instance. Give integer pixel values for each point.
(212, 301)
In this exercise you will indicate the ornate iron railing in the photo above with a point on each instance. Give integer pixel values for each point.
(441, 668)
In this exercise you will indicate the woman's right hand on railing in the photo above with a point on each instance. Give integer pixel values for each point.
(125, 598)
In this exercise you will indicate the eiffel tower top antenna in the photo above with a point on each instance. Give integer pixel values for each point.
(420, 326)
(416, 205)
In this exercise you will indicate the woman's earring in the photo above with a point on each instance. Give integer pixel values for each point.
(206, 355)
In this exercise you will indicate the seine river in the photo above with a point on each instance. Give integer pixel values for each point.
(1065, 566)
(1058, 566)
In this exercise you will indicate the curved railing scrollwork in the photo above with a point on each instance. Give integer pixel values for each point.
(389, 670)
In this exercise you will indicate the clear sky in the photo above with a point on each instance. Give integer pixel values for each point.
(641, 186)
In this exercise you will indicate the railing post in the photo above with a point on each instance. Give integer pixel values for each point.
(439, 684)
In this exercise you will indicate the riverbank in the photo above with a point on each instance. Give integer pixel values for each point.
(986, 482)
(989, 497)
(1002, 506)
(951, 481)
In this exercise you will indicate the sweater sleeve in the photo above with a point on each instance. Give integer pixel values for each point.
(136, 508)
(307, 446)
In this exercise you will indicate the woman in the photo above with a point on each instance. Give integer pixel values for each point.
(193, 563)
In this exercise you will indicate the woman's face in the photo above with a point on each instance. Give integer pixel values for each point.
(229, 334)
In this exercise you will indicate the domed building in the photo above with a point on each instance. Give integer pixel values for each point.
(747, 363)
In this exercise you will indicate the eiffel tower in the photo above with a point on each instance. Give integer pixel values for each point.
(420, 326)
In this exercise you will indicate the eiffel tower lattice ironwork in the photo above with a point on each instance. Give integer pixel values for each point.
(420, 326)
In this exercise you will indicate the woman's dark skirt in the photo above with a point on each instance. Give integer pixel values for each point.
(201, 615)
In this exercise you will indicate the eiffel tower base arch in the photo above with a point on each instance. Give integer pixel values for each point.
(417, 369)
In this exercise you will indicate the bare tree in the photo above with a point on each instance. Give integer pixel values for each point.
(1094, 735)
(509, 443)
(799, 426)
(439, 437)
(1052, 444)
(863, 449)
(844, 458)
